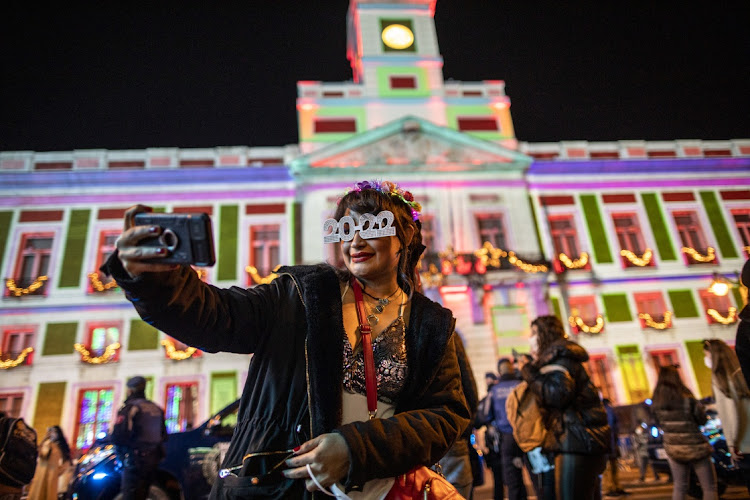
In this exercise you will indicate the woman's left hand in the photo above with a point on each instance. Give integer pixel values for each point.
(328, 457)
(737, 455)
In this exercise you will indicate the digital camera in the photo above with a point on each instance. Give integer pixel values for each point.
(187, 237)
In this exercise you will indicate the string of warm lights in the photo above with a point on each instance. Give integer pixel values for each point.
(177, 354)
(489, 255)
(658, 325)
(525, 266)
(577, 322)
(109, 351)
(432, 278)
(258, 279)
(10, 284)
(98, 285)
(641, 261)
(699, 257)
(579, 263)
(12, 363)
(731, 316)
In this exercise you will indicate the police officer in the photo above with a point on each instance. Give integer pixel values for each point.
(139, 434)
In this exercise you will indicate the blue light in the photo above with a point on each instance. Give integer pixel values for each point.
(99, 475)
(655, 432)
(648, 401)
(101, 435)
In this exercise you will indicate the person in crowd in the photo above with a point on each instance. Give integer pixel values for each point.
(732, 401)
(578, 434)
(742, 339)
(491, 436)
(54, 459)
(640, 445)
(139, 433)
(611, 474)
(511, 454)
(679, 415)
(456, 464)
(306, 393)
(18, 457)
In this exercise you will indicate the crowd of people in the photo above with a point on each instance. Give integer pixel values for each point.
(370, 385)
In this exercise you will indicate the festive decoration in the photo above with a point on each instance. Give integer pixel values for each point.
(109, 352)
(658, 325)
(393, 189)
(12, 363)
(641, 261)
(577, 322)
(699, 257)
(258, 279)
(525, 266)
(97, 284)
(489, 255)
(432, 278)
(579, 263)
(176, 354)
(10, 284)
(731, 316)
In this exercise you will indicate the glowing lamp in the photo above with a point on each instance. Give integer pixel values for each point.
(397, 36)
(719, 286)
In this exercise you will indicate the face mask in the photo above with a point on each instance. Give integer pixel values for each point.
(533, 344)
(707, 362)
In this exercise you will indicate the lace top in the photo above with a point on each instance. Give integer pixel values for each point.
(389, 351)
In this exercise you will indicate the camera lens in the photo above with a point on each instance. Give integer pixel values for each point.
(169, 239)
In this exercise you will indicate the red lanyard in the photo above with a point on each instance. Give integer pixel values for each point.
(366, 334)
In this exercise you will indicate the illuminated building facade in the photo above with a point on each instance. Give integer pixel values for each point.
(620, 239)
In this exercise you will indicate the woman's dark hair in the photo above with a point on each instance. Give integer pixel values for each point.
(62, 443)
(372, 201)
(550, 330)
(670, 392)
(725, 368)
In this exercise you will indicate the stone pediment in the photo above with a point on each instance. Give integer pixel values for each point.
(412, 143)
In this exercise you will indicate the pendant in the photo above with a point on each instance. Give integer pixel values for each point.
(383, 302)
(372, 319)
(379, 308)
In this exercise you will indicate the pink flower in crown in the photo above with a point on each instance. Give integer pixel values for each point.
(388, 187)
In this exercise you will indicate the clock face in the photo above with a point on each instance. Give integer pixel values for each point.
(397, 36)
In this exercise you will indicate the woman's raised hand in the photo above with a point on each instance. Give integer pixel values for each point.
(328, 458)
(133, 257)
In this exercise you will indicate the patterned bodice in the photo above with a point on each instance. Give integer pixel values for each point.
(389, 351)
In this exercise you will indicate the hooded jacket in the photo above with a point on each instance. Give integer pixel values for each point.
(575, 414)
(293, 392)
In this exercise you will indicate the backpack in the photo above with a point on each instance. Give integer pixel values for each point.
(525, 415)
(18, 452)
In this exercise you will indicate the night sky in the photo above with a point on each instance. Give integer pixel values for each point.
(175, 75)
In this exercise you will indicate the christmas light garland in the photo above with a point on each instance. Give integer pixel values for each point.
(577, 322)
(731, 316)
(489, 255)
(525, 266)
(658, 325)
(176, 354)
(258, 279)
(86, 357)
(10, 284)
(12, 363)
(699, 257)
(641, 261)
(579, 263)
(97, 284)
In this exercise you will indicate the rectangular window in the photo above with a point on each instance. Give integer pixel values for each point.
(490, 228)
(652, 303)
(179, 347)
(585, 315)
(691, 234)
(180, 406)
(326, 125)
(477, 124)
(633, 374)
(717, 308)
(598, 368)
(15, 340)
(101, 336)
(742, 223)
(94, 413)
(106, 246)
(11, 404)
(264, 248)
(666, 357)
(565, 240)
(630, 237)
(33, 260)
(429, 238)
(403, 82)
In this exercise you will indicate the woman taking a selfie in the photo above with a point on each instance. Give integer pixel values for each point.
(306, 395)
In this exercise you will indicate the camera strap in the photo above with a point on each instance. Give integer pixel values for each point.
(365, 333)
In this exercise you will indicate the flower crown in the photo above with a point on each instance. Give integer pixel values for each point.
(392, 189)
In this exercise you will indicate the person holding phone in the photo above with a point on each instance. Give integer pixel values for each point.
(305, 399)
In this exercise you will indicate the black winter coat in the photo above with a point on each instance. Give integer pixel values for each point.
(575, 414)
(293, 390)
(683, 439)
